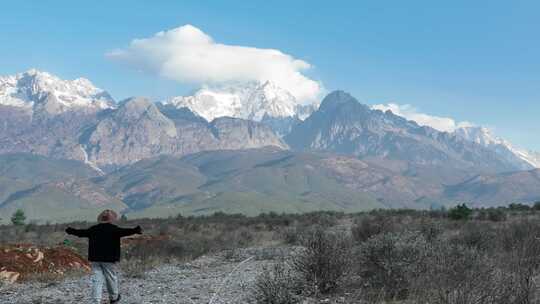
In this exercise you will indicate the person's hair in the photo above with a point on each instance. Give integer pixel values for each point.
(107, 216)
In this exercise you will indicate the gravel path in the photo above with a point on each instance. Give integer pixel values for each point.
(190, 283)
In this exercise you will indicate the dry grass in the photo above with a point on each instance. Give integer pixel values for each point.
(375, 257)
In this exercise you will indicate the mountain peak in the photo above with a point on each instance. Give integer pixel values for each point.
(34, 87)
(252, 100)
(34, 72)
(135, 107)
(480, 135)
(337, 98)
(136, 103)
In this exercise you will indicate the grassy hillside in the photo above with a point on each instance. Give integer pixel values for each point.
(48, 202)
(152, 181)
(50, 190)
(39, 169)
(248, 182)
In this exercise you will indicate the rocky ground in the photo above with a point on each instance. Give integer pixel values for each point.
(225, 277)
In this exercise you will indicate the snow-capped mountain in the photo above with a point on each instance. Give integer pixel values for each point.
(34, 88)
(481, 135)
(72, 119)
(252, 101)
(343, 125)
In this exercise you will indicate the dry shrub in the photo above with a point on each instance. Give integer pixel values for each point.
(480, 236)
(368, 226)
(277, 285)
(488, 265)
(137, 261)
(522, 258)
(290, 235)
(140, 258)
(430, 229)
(321, 218)
(238, 238)
(138, 267)
(455, 274)
(324, 261)
(492, 214)
(387, 263)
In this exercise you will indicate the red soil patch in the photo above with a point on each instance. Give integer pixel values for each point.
(19, 262)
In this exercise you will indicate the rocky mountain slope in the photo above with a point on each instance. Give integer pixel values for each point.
(275, 107)
(139, 130)
(45, 115)
(343, 125)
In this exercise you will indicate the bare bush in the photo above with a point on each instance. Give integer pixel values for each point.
(324, 261)
(480, 236)
(522, 258)
(277, 285)
(368, 226)
(455, 274)
(492, 214)
(138, 261)
(290, 235)
(388, 262)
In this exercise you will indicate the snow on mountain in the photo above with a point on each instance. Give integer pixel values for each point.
(531, 157)
(480, 135)
(485, 137)
(253, 101)
(34, 87)
(521, 158)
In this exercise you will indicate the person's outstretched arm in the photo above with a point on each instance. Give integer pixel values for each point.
(78, 232)
(122, 232)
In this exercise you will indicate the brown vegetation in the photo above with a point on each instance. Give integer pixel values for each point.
(399, 256)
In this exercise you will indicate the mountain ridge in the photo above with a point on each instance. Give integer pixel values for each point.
(258, 101)
(38, 90)
(151, 158)
(484, 136)
(343, 125)
(251, 101)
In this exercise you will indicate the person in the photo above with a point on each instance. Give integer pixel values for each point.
(104, 253)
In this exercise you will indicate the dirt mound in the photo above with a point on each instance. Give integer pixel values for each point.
(22, 261)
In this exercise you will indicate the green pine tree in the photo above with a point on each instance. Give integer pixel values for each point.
(18, 218)
(460, 212)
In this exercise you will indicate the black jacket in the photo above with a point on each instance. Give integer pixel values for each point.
(104, 240)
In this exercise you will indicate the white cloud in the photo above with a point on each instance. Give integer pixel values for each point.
(411, 113)
(188, 55)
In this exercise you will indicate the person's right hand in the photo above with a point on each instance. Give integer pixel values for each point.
(69, 230)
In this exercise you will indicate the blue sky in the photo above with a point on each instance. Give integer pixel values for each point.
(473, 61)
